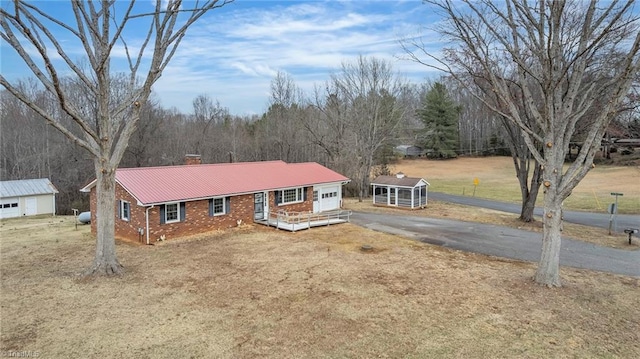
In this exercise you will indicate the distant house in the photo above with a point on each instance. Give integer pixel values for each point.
(409, 150)
(172, 201)
(28, 197)
(400, 191)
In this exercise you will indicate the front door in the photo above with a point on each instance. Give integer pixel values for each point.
(316, 201)
(392, 196)
(260, 206)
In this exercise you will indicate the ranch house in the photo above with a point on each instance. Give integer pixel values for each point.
(400, 191)
(161, 203)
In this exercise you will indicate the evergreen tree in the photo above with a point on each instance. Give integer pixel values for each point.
(440, 117)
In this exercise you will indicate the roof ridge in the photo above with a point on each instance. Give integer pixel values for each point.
(201, 165)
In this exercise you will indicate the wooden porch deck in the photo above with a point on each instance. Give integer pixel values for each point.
(295, 221)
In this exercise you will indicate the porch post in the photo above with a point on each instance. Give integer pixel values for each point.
(413, 192)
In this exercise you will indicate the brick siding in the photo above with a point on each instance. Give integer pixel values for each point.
(306, 206)
(196, 221)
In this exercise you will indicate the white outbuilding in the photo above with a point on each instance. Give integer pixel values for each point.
(28, 197)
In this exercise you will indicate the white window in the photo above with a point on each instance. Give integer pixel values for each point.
(218, 206)
(125, 210)
(171, 213)
(292, 195)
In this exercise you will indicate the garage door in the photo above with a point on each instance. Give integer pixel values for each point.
(9, 208)
(329, 198)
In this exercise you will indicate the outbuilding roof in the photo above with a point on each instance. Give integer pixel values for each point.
(27, 187)
(153, 185)
(398, 181)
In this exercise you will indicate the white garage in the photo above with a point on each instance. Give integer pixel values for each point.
(326, 198)
(27, 198)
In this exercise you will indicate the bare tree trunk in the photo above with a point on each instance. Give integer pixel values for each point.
(529, 195)
(522, 159)
(548, 272)
(105, 261)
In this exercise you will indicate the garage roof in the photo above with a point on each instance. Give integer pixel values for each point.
(28, 187)
(153, 185)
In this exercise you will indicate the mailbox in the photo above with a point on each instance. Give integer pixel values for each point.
(630, 232)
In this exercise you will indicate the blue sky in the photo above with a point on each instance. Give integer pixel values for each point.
(234, 52)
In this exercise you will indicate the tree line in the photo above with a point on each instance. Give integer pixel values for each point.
(351, 123)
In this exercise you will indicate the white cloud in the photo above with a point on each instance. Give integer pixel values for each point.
(255, 69)
(233, 54)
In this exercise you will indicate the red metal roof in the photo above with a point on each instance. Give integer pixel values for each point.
(152, 185)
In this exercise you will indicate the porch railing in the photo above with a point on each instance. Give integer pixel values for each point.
(307, 219)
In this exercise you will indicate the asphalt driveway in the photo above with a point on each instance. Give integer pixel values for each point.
(600, 220)
(500, 241)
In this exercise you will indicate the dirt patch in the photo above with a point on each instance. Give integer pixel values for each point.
(258, 292)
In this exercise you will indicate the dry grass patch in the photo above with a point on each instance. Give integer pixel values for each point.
(257, 292)
(498, 181)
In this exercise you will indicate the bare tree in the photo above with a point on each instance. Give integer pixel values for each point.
(362, 107)
(207, 116)
(105, 128)
(528, 169)
(31, 148)
(147, 140)
(284, 118)
(479, 127)
(328, 127)
(569, 58)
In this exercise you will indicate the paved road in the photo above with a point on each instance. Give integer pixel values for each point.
(586, 218)
(500, 241)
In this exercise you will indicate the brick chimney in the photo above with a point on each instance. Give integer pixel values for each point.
(192, 159)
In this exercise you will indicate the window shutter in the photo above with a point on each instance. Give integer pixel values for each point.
(278, 197)
(304, 193)
(210, 207)
(162, 216)
(227, 205)
(119, 209)
(183, 212)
